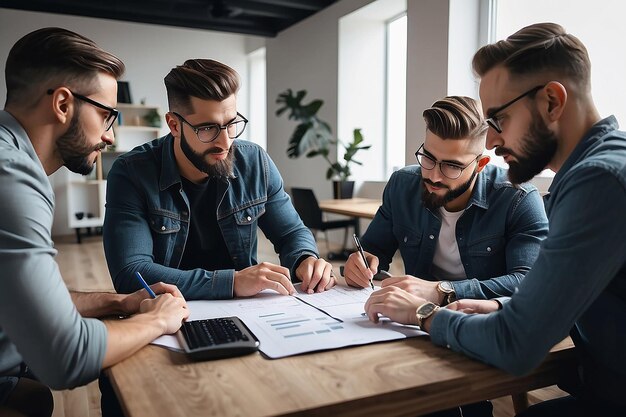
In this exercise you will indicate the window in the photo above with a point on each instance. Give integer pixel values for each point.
(257, 112)
(395, 98)
(372, 86)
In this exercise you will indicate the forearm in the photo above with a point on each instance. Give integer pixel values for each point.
(281, 224)
(97, 304)
(127, 336)
(195, 284)
(487, 289)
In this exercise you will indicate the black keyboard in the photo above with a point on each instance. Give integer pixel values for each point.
(216, 338)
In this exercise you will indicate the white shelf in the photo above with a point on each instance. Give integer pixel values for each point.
(86, 197)
(132, 128)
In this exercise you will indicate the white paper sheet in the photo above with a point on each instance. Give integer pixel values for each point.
(287, 326)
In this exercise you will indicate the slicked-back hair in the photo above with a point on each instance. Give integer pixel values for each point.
(456, 117)
(205, 79)
(536, 49)
(54, 57)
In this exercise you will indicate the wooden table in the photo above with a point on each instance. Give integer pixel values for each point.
(407, 377)
(353, 207)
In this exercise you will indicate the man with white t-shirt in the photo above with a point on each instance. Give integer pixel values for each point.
(462, 228)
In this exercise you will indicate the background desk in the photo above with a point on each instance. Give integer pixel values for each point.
(408, 377)
(353, 207)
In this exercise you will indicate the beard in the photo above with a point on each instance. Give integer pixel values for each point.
(432, 201)
(74, 149)
(222, 169)
(538, 147)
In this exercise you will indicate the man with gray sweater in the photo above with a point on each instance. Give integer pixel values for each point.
(61, 93)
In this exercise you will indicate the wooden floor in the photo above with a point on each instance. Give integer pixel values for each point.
(84, 269)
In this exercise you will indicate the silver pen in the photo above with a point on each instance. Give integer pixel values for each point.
(357, 242)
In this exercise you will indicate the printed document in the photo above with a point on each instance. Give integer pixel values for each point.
(290, 325)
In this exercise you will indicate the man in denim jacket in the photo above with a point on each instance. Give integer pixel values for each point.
(463, 230)
(185, 208)
(536, 92)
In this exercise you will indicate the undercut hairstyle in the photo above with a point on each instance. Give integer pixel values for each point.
(205, 79)
(542, 48)
(456, 117)
(55, 57)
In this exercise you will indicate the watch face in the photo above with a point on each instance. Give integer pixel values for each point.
(446, 286)
(426, 309)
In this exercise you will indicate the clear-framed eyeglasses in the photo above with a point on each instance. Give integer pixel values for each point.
(209, 132)
(448, 169)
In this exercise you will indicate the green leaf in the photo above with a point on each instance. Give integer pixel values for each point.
(294, 149)
(358, 137)
(313, 137)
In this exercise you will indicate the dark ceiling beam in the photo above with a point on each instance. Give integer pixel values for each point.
(313, 6)
(268, 10)
(253, 17)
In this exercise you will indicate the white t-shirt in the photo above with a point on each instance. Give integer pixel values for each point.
(447, 265)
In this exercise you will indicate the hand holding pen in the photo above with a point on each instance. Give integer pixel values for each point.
(145, 284)
(131, 303)
(357, 242)
(170, 307)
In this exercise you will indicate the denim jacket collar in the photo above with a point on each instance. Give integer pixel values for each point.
(479, 194)
(597, 131)
(169, 167)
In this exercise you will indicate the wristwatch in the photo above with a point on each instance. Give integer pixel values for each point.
(446, 288)
(425, 311)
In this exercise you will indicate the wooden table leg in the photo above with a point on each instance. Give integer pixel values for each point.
(520, 402)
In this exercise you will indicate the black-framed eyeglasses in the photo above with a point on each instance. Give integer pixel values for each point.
(208, 133)
(109, 120)
(448, 169)
(493, 121)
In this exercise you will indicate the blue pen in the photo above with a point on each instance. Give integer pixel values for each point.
(143, 282)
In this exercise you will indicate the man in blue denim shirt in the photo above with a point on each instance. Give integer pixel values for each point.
(185, 208)
(463, 230)
(536, 92)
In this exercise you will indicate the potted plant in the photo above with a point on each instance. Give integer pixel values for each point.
(313, 137)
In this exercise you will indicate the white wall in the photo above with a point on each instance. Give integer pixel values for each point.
(305, 56)
(427, 65)
(149, 52)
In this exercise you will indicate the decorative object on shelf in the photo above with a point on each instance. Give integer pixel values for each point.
(79, 215)
(152, 118)
(123, 92)
(90, 215)
(314, 137)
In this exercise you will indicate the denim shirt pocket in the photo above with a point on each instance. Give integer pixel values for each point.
(409, 243)
(406, 236)
(164, 227)
(488, 257)
(246, 220)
